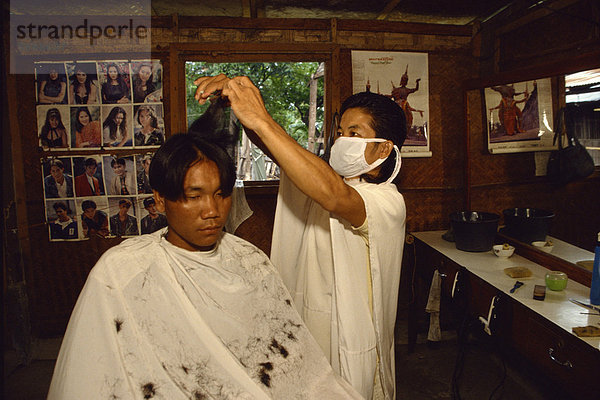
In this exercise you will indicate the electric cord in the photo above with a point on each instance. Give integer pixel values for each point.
(467, 325)
(463, 334)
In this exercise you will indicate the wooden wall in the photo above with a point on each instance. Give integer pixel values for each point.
(549, 42)
(433, 187)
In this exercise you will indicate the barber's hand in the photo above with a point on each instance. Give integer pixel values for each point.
(245, 98)
(209, 85)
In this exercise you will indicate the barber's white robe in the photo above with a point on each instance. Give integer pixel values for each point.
(156, 321)
(323, 262)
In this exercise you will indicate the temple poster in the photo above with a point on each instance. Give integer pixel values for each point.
(519, 117)
(403, 77)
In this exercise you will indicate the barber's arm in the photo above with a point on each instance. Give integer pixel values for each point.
(310, 174)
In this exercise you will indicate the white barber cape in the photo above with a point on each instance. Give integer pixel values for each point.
(324, 262)
(155, 321)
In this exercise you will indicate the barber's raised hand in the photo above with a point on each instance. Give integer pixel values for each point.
(245, 98)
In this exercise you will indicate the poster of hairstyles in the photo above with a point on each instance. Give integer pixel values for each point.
(108, 107)
(104, 195)
(107, 104)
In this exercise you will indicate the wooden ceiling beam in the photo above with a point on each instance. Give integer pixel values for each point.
(389, 7)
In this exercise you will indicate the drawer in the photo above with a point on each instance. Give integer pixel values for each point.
(562, 357)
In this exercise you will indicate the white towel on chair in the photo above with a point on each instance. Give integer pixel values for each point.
(433, 308)
(240, 211)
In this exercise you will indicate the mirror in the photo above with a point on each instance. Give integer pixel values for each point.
(496, 182)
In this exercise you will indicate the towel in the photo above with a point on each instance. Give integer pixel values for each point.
(433, 308)
(240, 211)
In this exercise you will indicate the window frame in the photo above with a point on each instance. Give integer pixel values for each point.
(180, 53)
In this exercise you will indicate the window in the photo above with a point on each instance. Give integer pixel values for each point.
(583, 90)
(286, 90)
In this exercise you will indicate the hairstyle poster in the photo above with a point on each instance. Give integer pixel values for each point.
(104, 104)
(99, 194)
(404, 78)
(519, 117)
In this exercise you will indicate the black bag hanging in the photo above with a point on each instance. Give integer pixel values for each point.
(573, 161)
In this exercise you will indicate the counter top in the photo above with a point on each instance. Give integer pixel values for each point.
(556, 307)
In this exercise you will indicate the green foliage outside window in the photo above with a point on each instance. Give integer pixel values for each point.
(284, 87)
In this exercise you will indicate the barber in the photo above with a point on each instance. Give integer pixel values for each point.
(339, 227)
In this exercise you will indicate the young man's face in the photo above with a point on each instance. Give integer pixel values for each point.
(119, 169)
(197, 219)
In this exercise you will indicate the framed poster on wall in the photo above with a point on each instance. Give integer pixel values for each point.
(403, 77)
(519, 117)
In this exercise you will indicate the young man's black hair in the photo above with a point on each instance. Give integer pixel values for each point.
(173, 159)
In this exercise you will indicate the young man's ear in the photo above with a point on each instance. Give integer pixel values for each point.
(160, 201)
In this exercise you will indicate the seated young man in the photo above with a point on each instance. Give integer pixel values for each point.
(189, 311)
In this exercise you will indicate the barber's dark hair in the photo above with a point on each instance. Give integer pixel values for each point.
(89, 162)
(387, 120)
(180, 152)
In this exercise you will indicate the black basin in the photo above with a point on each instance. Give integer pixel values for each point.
(474, 230)
(527, 224)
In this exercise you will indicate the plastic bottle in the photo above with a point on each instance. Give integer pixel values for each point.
(595, 289)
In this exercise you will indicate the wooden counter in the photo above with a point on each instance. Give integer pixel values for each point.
(541, 331)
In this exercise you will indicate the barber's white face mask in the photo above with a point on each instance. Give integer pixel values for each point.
(348, 157)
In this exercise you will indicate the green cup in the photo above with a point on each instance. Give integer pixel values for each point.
(556, 280)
